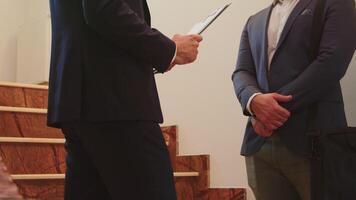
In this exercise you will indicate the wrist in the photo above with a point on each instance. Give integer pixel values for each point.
(251, 103)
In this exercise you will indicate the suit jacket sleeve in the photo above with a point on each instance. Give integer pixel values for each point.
(117, 22)
(337, 47)
(244, 76)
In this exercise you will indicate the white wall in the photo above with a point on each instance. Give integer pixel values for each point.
(200, 97)
(34, 43)
(11, 18)
(24, 40)
(349, 91)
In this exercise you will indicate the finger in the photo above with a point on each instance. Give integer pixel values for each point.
(271, 126)
(279, 110)
(282, 98)
(266, 132)
(277, 124)
(196, 44)
(259, 131)
(197, 38)
(279, 118)
(269, 133)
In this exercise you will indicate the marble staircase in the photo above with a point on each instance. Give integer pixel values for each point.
(34, 154)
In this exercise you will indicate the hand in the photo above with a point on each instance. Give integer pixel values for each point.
(187, 49)
(267, 110)
(260, 129)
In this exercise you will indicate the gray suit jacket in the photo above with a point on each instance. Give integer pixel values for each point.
(293, 73)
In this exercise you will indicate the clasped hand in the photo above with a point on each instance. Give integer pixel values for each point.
(269, 114)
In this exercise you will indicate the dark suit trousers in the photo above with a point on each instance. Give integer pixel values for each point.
(126, 160)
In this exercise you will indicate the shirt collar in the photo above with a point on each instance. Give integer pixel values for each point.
(275, 2)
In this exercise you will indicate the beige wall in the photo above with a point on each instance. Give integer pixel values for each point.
(34, 43)
(200, 97)
(11, 18)
(24, 40)
(349, 91)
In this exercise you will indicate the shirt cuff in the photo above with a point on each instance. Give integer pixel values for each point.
(174, 57)
(248, 107)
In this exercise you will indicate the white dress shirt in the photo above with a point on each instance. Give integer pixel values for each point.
(279, 16)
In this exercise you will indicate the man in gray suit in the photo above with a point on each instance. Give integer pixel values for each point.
(276, 82)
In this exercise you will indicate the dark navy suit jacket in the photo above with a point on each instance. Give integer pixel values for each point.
(293, 73)
(103, 56)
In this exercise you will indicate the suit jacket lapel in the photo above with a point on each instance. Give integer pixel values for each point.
(265, 36)
(262, 35)
(147, 12)
(293, 16)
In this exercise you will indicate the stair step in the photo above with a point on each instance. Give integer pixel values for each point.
(23, 95)
(23, 110)
(37, 177)
(41, 189)
(62, 176)
(32, 123)
(53, 189)
(47, 155)
(44, 158)
(227, 194)
(51, 186)
(26, 122)
(196, 188)
(33, 157)
(22, 85)
(170, 135)
(31, 140)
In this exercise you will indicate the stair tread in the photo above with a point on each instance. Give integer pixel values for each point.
(23, 85)
(62, 176)
(32, 140)
(23, 110)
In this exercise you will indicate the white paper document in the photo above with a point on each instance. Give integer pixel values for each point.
(201, 26)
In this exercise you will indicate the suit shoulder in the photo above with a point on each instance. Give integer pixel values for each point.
(256, 19)
(261, 15)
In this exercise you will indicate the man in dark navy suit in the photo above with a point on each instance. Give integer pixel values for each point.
(102, 93)
(276, 82)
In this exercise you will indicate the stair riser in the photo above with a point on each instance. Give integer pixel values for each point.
(33, 158)
(23, 97)
(34, 125)
(195, 163)
(41, 189)
(54, 189)
(227, 194)
(50, 159)
(17, 124)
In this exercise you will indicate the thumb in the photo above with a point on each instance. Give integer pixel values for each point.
(282, 98)
(197, 38)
